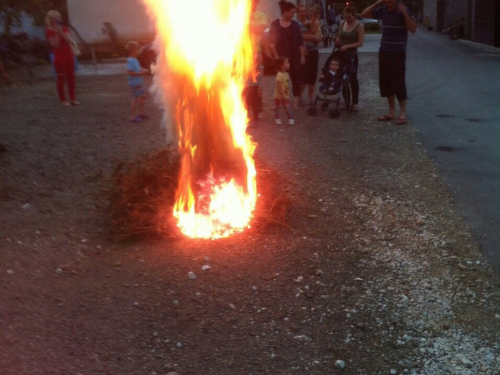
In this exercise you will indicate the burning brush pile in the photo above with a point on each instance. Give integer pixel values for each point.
(210, 191)
(143, 198)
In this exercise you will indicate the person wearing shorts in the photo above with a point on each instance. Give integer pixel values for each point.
(134, 73)
(392, 69)
(396, 22)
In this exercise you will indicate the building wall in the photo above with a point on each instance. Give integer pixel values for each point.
(483, 26)
(454, 11)
(429, 13)
(482, 18)
(271, 8)
(128, 17)
(451, 10)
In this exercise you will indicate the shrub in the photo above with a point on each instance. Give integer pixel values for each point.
(372, 26)
(15, 48)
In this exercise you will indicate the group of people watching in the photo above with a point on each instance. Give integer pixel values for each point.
(293, 44)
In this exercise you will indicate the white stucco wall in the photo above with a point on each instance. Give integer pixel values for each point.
(272, 9)
(128, 17)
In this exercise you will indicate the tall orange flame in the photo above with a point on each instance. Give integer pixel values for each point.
(205, 57)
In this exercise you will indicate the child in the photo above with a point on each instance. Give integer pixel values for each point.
(282, 92)
(331, 81)
(135, 72)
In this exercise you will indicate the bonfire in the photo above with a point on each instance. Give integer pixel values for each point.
(200, 76)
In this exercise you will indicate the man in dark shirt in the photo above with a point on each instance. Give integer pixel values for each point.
(396, 22)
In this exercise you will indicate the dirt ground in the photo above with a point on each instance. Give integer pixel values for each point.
(376, 269)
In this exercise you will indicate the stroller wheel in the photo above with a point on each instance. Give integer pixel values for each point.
(334, 113)
(312, 111)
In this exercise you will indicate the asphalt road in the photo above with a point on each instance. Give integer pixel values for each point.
(454, 102)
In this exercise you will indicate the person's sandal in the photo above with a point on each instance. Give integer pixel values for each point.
(74, 102)
(385, 118)
(66, 104)
(136, 119)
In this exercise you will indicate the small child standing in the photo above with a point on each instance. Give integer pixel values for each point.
(331, 82)
(134, 78)
(282, 91)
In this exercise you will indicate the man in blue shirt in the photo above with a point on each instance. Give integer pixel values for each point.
(396, 22)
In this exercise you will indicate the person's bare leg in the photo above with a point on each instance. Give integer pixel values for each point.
(391, 100)
(296, 104)
(302, 89)
(310, 92)
(402, 109)
(140, 105)
(402, 112)
(133, 107)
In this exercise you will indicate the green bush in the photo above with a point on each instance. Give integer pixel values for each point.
(372, 26)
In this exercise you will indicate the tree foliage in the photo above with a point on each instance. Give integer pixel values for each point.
(11, 11)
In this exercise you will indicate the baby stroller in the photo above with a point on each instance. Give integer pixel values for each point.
(341, 88)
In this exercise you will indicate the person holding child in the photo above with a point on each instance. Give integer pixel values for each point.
(311, 33)
(134, 73)
(282, 91)
(350, 37)
(62, 44)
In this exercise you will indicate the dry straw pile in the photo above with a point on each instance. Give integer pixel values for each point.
(143, 195)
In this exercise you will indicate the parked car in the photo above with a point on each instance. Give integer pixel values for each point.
(366, 21)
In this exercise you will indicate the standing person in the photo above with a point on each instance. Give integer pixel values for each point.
(350, 37)
(286, 40)
(251, 93)
(282, 91)
(396, 22)
(134, 73)
(311, 33)
(61, 42)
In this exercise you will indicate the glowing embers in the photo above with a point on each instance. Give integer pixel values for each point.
(201, 72)
(221, 208)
